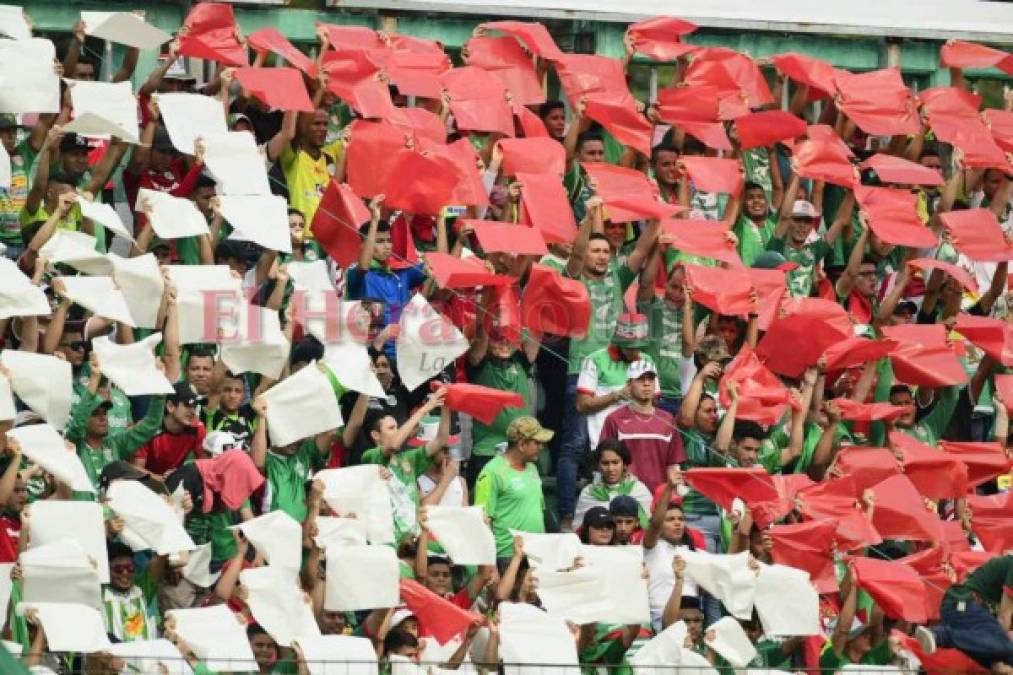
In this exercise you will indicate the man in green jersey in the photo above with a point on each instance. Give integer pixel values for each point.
(755, 225)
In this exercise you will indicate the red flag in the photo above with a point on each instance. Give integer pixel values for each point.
(478, 101)
(976, 233)
(554, 304)
(893, 216)
(960, 54)
(658, 37)
(805, 329)
(923, 357)
(959, 274)
(507, 61)
(534, 36)
(496, 237)
(623, 121)
(895, 587)
(713, 174)
(372, 156)
(878, 102)
(867, 466)
(763, 399)
(1000, 123)
(770, 288)
(210, 32)
(615, 183)
(869, 412)
(336, 223)
(271, 40)
(724, 485)
(900, 512)
(818, 75)
(453, 272)
(734, 74)
(688, 104)
(443, 618)
(827, 160)
(482, 403)
(531, 124)
(984, 461)
(808, 546)
(706, 238)
(544, 205)
(725, 291)
(351, 37)
(856, 351)
(593, 77)
(892, 169)
(533, 155)
(994, 336)
(277, 88)
(941, 661)
(937, 475)
(767, 127)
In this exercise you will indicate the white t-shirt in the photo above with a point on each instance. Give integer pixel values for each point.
(454, 496)
(662, 579)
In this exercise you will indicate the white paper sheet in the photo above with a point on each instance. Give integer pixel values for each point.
(148, 517)
(197, 569)
(553, 551)
(43, 445)
(171, 217)
(6, 586)
(206, 296)
(530, 636)
(726, 637)
(99, 295)
(620, 569)
(216, 637)
(462, 531)
(334, 531)
(82, 522)
(28, 79)
(13, 24)
(350, 363)
(60, 571)
(103, 108)
(786, 602)
(726, 577)
(279, 604)
(691, 663)
(7, 409)
(150, 656)
(123, 28)
(263, 219)
(236, 163)
(310, 276)
(361, 577)
(279, 537)
(360, 490)
(5, 168)
(664, 650)
(338, 655)
(70, 627)
(43, 382)
(105, 215)
(258, 344)
(188, 117)
(15, 648)
(141, 283)
(300, 406)
(427, 343)
(18, 296)
(577, 596)
(76, 249)
(132, 367)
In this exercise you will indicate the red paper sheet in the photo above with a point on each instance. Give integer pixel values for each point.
(984, 461)
(277, 88)
(461, 155)
(706, 238)
(768, 127)
(827, 160)
(973, 138)
(373, 153)
(724, 485)
(531, 124)
(936, 475)
(271, 40)
(534, 36)
(713, 174)
(900, 512)
(923, 357)
(762, 397)
(878, 102)
(453, 272)
(415, 44)
(688, 104)
(209, 32)
(658, 37)
(433, 188)
(976, 233)
(838, 499)
(422, 124)
(818, 75)
(627, 209)
(593, 77)
(959, 274)
(949, 102)
(336, 223)
(960, 54)
(624, 122)
(892, 169)
(942, 661)
(805, 329)
(1000, 123)
(482, 403)
(351, 37)
(1004, 387)
(895, 587)
(348, 69)
(893, 216)
(867, 466)
(869, 412)
(553, 304)
(994, 336)
(478, 101)
(770, 288)
(510, 64)
(856, 351)
(443, 618)
(732, 73)
(414, 73)
(545, 206)
(725, 291)
(808, 546)
(496, 237)
(711, 134)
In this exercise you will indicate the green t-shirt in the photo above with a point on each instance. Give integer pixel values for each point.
(753, 239)
(665, 325)
(512, 499)
(756, 165)
(508, 375)
(698, 454)
(802, 279)
(832, 662)
(214, 527)
(989, 582)
(405, 468)
(606, 305)
(287, 476)
(12, 199)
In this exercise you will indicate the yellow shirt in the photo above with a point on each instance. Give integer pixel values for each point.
(307, 178)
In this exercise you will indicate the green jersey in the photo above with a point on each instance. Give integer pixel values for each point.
(753, 238)
(831, 661)
(664, 322)
(405, 468)
(802, 279)
(508, 375)
(989, 582)
(287, 476)
(698, 454)
(606, 305)
(12, 199)
(512, 499)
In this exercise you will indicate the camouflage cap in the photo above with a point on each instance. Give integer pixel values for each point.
(527, 428)
(712, 348)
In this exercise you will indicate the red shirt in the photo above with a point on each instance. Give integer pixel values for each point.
(10, 532)
(653, 442)
(166, 451)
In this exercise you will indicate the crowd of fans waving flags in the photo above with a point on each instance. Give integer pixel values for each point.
(383, 359)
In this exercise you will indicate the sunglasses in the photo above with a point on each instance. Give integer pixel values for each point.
(127, 568)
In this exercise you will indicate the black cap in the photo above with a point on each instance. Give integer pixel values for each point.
(104, 405)
(71, 142)
(119, 470)
(184, 393)
(598, 516)
(624, 506)
(905, 307)
(161, 141)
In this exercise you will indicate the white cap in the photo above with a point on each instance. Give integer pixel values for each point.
(804, 209)
(639, 368)
(218, 442)
(399, 616)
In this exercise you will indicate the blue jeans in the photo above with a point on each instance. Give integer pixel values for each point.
(572, 449)
(974, 631)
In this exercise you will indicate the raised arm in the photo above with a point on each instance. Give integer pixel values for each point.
(787, 205)
(366, 252)
(846, 282)
(592, 222)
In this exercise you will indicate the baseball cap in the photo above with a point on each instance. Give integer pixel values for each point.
(624, 506)
(103, 405)
(428, 428)
(639, 368)
(398, 617)
(218, 442)
(906, 307)
(773, 260)
(712, 348)
(183, 392)
(804, 209)
(8, 121)
(631, 331)
(72, 142)
(598, 516)
(119, 470)
(527, 428)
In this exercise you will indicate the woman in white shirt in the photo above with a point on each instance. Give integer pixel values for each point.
(442, 484)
